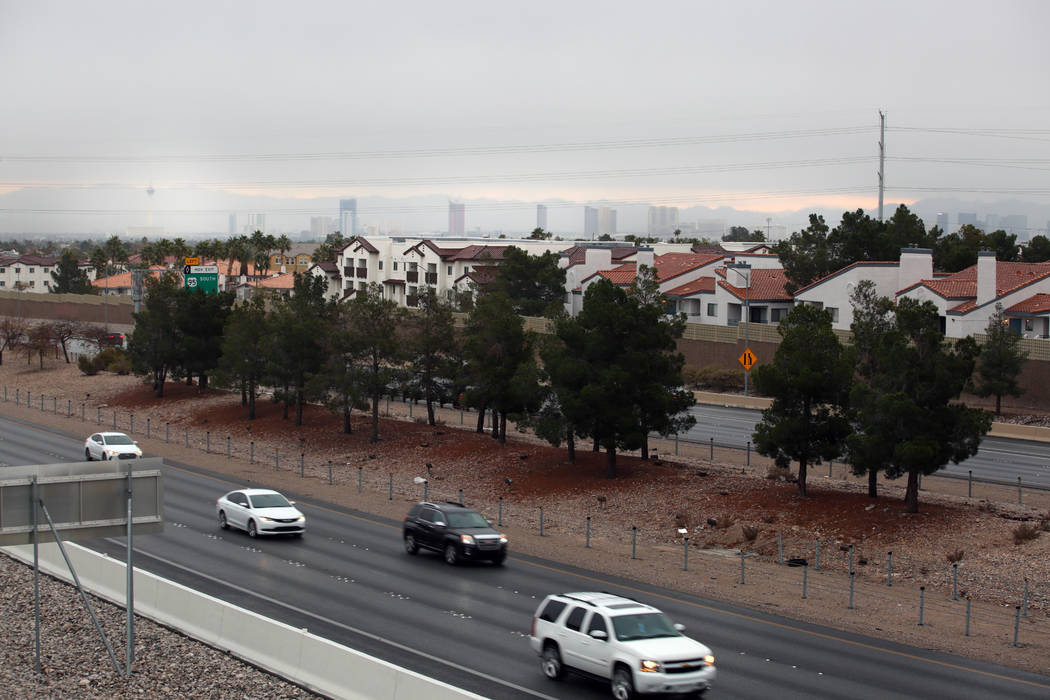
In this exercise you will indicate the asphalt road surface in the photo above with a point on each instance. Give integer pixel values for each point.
(998, 458)
(349, 580)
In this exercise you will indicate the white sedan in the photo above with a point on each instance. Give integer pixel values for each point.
(260, 512)
(111, 446)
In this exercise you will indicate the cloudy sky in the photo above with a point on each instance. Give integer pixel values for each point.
(769, 106)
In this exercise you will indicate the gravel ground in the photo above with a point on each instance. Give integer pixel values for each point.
(647, 495)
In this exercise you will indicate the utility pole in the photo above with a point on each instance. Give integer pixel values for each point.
(882, 159)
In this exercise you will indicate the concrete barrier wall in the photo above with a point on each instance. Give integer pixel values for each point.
(311, 661)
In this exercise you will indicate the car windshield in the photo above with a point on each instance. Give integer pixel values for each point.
(118, 440)
(643, 626)
(269, 500)
(466, 519)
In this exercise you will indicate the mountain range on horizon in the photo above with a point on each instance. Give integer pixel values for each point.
(201, 212)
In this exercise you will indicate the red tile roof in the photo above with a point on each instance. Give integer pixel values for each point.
(704, 285)
(124, 278)
(670, 265)
(285, 281)
(766, 285)
(1008, 277)
(578, 253)
(1036, 304)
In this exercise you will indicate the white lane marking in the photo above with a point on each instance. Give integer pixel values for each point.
(348, 628)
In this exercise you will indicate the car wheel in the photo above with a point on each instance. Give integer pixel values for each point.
(622, 685)
(411, 546)
(551, 664)
(498, 561)
(451, 554)
(87, 454)
(222, 520)
(252, 531)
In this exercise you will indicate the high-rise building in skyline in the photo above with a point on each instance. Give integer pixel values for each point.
(942, 220)
(321, 226)
(663, 220)
(541, 216)
(256, 222)
(964, 218)
(456, 218)
(233, 225)
(590, 222)
(348, 217)
(606, 221)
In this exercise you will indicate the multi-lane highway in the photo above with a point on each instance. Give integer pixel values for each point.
(999, 458)
(348, 579)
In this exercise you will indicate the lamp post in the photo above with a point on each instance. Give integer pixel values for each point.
(739, 267)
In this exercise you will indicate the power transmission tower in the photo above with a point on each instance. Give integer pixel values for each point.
(882, 159)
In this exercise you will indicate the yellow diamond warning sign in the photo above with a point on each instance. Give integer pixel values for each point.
(747, 359)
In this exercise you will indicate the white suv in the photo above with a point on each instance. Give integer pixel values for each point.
(617, 639)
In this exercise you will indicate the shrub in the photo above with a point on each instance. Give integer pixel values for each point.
(724, 522)
(714, 378)
(1044, 522)
(121, 366)
(108, 357)
(87, 365)
(1025, 533)
(750, 532)
(955, 556)
(776, 471)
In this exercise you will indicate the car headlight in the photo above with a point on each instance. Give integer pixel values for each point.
(467, 539)
(266, 520)
(300, 519)
(502, 538)
(650, 666)
(709, 660)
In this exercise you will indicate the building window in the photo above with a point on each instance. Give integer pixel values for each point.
(2, 283)
(18, 270)
(380, 264)
(32, 283)
(1028, 324)
(834, 314)
(31, 270)
(395, 266)
(775, 315)
(450, 269)
(712, 309)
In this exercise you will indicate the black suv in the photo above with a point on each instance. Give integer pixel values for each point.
(458, 532)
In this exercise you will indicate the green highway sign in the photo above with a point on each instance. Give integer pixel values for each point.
(203, 277)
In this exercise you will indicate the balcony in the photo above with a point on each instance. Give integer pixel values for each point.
(362, 272)
(412, 276)
(431, 278)
(412, 300)
(348, 272)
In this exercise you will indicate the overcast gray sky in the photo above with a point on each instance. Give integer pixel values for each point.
(759, 105)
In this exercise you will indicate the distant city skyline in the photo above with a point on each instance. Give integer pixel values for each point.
(506, 107)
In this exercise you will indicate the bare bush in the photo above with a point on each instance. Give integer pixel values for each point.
(955, 556)
(724, 522)
(778, 472)
(1025, 533)
(750, 532)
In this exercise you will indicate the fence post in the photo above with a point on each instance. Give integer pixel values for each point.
(360, 470)
(805, 577)
(329, 473)
(54, 404)
(587, 542)
(251, 452)
(499, 516)
(922, 603)
(541, 521)
(712, 449)
(742, 567)
(889, 568)
(69, 407)
(227, 447)
(390, 489)
(167, 431)
(968, 600)
(98, 417)
(685, 555)
(851, 560)
(969, 486)
(816, 562)
(41, 403)
(780, 548)
(114, 420)
(207, 442)
(634, 541)
(461, 415)
(187, 436)
(1018, 490)
(1017, 625)
(1024, 601)
(676, 444)
(81, 412)
(955, 581)
(147, 428)
(461, 496)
